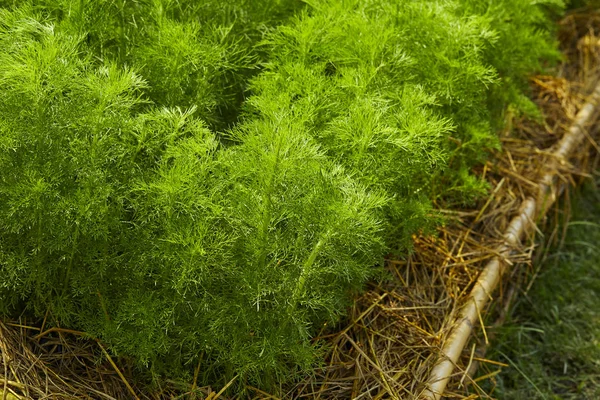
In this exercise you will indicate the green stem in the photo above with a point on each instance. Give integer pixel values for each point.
(307, 268)
(267, 209)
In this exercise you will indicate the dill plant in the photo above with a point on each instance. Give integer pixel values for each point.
(257, 250)
(130, 213)
(132, 223)
(191, 53)
(404, 94)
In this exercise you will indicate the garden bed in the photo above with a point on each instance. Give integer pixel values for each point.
(392, 340)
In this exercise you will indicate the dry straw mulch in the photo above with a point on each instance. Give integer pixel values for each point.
(396, 330)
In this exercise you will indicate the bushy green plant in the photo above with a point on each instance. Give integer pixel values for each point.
(62, 177)
(397, 92)
(132, 226)
(521, 44)
(125, 212)
(256, 247)
(192, 53)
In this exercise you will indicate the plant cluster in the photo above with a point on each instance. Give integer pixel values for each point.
(398, 92)
(190, 53)
(208, 183)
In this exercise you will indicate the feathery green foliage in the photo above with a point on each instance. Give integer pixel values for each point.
(129, 215)
(191, 53)
(133, 227)
(397, 92)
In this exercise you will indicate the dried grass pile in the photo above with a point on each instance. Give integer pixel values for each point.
(396, 330)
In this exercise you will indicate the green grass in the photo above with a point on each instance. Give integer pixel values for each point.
(552, 342)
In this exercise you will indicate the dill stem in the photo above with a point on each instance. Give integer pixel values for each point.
(268, 206)
(305, 272)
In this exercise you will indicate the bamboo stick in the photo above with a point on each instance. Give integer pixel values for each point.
(531, 209)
